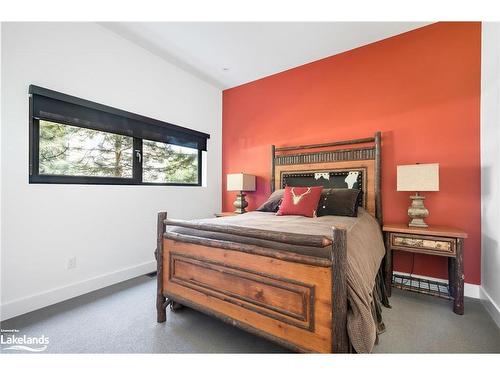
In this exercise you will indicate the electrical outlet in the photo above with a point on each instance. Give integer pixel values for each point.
(71, 263)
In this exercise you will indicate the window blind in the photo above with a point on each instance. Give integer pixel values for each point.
(54, 106)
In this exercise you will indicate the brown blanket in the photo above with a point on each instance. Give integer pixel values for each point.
(365, 250)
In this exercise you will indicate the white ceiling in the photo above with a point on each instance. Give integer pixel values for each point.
(228, 54)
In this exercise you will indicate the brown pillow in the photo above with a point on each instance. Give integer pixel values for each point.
(340, 202)
(273, 202)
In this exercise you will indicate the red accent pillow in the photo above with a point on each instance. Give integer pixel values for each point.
(300, 201)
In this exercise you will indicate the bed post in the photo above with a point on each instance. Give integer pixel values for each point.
(161, 314)
(378, 177)
(273, 156)
(384, 267)
(340, 340)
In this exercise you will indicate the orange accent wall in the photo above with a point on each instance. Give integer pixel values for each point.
(421, 89)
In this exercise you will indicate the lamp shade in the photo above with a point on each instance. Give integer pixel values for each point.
(240, 182)
(418, 177)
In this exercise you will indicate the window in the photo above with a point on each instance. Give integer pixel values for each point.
(72, 151)
(76, 141)
(169, 163)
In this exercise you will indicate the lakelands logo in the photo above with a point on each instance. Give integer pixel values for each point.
(11, 340)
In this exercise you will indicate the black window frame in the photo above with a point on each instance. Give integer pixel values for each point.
(154, 126)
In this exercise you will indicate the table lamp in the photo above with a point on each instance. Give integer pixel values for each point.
(240, 182)
(417, 178)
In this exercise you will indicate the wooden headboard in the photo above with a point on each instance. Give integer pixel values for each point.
(330, 165)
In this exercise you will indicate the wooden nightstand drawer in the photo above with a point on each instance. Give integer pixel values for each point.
(424, 244)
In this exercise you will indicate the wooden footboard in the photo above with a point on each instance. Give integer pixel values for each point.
(297, 301)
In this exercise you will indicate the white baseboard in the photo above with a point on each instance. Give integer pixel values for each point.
(33, 302)
(37, 301)
(470, 290)
(490, 305)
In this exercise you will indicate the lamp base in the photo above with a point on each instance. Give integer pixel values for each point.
(240, 203)
(417, 211)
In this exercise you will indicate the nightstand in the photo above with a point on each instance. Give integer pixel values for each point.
(433, 240)
(227, 213)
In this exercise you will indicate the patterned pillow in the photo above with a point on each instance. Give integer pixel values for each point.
(300, 201)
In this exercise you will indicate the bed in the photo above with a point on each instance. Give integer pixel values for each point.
(309, 284)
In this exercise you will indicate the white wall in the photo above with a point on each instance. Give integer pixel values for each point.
(490, 167)
(110, 229)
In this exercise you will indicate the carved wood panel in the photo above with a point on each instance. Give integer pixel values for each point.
(266, 313)
(431, 245)
(285, 300)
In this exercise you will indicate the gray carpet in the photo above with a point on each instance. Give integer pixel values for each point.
(122, 319)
